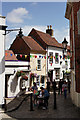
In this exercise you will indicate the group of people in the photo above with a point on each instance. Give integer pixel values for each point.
(43, 93)
(63, 86)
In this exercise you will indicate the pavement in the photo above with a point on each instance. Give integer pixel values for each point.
(65, 109)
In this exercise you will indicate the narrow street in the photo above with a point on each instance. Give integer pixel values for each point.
(65, 109)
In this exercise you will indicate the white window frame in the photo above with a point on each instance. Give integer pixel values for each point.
(50, 59)
(23, 84)
(38, 64)
(38, 80)
(56, 61)
(43, 84)
(57, 74)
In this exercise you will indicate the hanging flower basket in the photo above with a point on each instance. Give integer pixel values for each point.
(24, 77)
(31, 75)
(20, 73)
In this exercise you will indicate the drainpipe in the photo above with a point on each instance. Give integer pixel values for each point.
(73, 40)
(47, 60)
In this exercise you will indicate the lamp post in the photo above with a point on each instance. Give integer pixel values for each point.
(64, 44)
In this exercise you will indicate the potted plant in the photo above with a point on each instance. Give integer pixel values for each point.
(18, 74)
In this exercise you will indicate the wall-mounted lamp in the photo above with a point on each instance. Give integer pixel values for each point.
(64, 43)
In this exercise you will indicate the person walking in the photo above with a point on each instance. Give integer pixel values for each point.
(48, 84)
(45, 94)
(35, 92)
(64, 86)
(60, 87)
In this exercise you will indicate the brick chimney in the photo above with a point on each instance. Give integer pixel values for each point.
(49, 30)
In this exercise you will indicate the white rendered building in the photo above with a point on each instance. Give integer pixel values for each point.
(2, 60)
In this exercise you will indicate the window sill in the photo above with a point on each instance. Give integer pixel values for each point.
(38, 70)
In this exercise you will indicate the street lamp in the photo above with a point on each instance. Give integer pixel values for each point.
(64, 44)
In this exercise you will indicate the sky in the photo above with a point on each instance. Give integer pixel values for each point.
(38, 15)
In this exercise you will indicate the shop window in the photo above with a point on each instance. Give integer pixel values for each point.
(42, 81)
(38, 64)
(23, 84)
(66, 63)
(56, 58)
(38, 80)
(50, 57)
(57, 73)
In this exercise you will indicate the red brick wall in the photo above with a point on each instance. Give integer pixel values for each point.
(71, 43)
(76, 7)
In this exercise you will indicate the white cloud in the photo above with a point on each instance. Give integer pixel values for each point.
(27, 29)
(60, 34)
(34, 3)
(18, 15)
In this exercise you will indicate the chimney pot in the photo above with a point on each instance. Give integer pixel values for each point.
(48, 26)
(49, 31)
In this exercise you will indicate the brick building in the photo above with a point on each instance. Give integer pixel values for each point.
(73, 14)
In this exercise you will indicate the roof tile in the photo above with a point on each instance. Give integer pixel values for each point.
(9, 55)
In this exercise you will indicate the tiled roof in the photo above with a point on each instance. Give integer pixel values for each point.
(51, 41)
(32, 44)
(9, 55)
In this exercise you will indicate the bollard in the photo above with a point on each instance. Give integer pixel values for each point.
(31, 103)
(54, 98)
(54, 91)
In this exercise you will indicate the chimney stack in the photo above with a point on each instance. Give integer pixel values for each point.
(49, 30)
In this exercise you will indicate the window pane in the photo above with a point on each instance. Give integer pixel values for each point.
(56, 58)
(38, 64)
(50, 57)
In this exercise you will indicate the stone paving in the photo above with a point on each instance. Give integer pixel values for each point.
(65, 109)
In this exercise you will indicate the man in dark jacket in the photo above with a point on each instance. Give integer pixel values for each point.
(60, 87)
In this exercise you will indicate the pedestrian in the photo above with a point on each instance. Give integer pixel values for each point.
(35, 93)
(48, 84)
(60, 87)
(64, 86)
(45, 94)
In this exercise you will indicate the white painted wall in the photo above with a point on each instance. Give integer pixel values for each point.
(2, 62)
(13, 83)
(54, 65)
